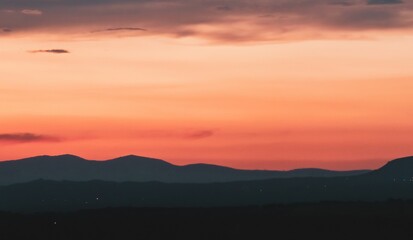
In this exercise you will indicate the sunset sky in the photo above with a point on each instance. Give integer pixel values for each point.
(264, 84)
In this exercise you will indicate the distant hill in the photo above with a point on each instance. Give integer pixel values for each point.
(139, 169)
(400, 169)
(44, 195)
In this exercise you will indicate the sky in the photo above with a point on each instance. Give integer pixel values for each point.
(265, 84)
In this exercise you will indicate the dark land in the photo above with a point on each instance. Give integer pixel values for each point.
(375, 204)
(326, 220)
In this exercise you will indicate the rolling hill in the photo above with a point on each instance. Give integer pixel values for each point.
(139, 169)
(46, 195)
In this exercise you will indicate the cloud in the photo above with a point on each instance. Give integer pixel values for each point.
(224, 8)
(372, 2)
(26, 137)
(9, 11)
(55, 51)
(33, 12)
(120, 29)
(343, 2)
(232, 21)
(200, 134)
(6, 30)
(187, 134)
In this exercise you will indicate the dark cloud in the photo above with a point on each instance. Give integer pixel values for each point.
(55, 51)
(200, 134)
(372, 2)
(343, 2)
(230, 21)
(26, 137)
(224, 8)
(375, 18)
(120, 29)
(5, 30)
(125, 29)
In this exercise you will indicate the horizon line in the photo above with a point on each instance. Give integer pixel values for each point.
(219, 165)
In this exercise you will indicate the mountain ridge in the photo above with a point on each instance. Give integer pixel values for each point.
(140, 169)
(396, 169)
(380, 185)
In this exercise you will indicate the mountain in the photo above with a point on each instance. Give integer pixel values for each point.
(139, 169)
(47, 195)
(400, 169)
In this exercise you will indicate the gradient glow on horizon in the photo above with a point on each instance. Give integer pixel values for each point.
(273, 85)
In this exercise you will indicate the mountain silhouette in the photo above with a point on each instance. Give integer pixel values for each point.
(139, 169)
(400, 169)
(48, 195)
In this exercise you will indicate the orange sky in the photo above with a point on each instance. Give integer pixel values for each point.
(332, 96)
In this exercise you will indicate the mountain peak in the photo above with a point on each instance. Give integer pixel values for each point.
(399, 163)
(400, 168)
(68, 156)
(403, 159)
(130, 156)
(138, 159)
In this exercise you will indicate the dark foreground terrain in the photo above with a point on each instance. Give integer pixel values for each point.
(352, 220)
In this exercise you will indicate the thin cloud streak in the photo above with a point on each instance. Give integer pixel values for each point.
(33, 12)
(54, 51)
(200, 134)
(175, 134)
(125, 29)
(373, 2)
(27, 137)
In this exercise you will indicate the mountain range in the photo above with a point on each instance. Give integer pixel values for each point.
(140, 169)
(392, 181)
